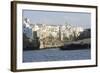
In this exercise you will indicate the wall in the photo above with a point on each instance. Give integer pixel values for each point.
(5, 37)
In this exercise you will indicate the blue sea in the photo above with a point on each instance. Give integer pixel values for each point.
(55, 55)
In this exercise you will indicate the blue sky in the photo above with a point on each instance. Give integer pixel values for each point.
(52, 17)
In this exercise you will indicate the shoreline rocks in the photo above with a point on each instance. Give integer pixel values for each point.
(81, 44)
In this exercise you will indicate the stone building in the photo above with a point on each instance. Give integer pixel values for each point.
(50, 35)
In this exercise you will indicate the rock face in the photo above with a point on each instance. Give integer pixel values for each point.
(31, 44)
(85, 34)
(30, 39)
(80, 44)
(38, 36)
(75, 46)
(55, 35)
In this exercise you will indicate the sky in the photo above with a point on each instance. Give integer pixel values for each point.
(79, 19)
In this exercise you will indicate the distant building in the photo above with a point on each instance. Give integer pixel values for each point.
(27, 29)
(70, 32)
(54, 34)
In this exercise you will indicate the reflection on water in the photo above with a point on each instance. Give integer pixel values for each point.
(55, 55)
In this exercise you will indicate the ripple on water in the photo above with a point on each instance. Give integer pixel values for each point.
(55, 55)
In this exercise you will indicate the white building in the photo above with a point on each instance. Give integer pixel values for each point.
(44, 31)
(27, 29)
(67, 31)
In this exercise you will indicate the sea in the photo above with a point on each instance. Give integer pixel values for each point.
(55, 54)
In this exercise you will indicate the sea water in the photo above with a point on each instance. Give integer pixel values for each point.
(55, 54)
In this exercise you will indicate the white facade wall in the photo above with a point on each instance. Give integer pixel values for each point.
(47, 30)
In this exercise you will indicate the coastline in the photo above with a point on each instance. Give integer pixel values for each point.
(79, 44)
